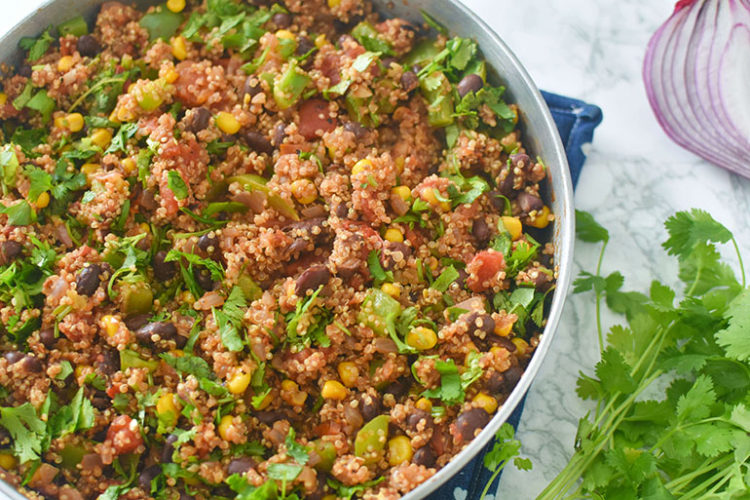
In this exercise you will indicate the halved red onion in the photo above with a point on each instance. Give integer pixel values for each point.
(696, 72)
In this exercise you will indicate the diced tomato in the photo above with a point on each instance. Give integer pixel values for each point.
(124, 434)
(314, 116)
(483, 269)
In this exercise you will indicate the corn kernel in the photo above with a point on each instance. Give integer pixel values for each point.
(333, 389)
(111, 324)
(304, 191)
(187, 297)
(361, 165)
(291, 393)
(129, 166)
(503, 328)
(285, 34)
(334, 3)
(486, 402)
(177, 353)
(43, 200)
(399, 450)
(224, 424)
(75, 122)
(238, 383)
(320, 40)
(394, 235)
(227, 123)
(400, 162)
(392, 289)
(59, 122)
(64, 64)
(521, 346)
(421, 338)
(513, 226)
(402, 192)
(101, 137)
(179, 48)
(424, 404)
(171, 76)
(176, 5)
(541, 219)
(8, 461)
(348, 372)
(89, 169)
(167, 409)
(266, 402)
(82, 370)
(123, 115)
(3, 98)
(330, 497)
(430, 196)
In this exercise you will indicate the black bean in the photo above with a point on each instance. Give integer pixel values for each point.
(208, 243)
(409, 81)
(282, 20)
(470, 422)
(528, 202)
(163, 270)
(203, 277)
(10, 251)
(279, 133)
(495, 382)
(357, 129)
(298, 245)
(304, 45)
(503, 342)
(251, 88)
(496, 201)
(342, 211)
(312, 278)
(424, 456)
(180, 341)
(13, 356)
(31, 364)
(481, 231)
(100, 400)
(148, 475)
(88, 281)
(25, 70)
(108, 362)
(47, 338)
(87, 46)
(419, 420)
(258, 142)
(387, 61)
(185, 496)
(240, 465)
(168, 449)
(399, 388)
(198, 120)
(505, 188)
(462, 276)
(480, 324)
(164, 330)
(370, 406)
(511, 376)
(4, 437)
(136, 321)
(269, 417)
(469, 83)
(521, 161)
(147, 200)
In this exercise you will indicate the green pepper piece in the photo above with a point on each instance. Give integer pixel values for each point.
(150, 97)
(136, 297)
(289, 86)
(371, 438)
(249, 287)
(423, 53)
(252, 182)
(438, 91)
(327, 453)
(366, 34)
(131, 359)
(161, 23)
(76, 26)
(477, 67)
(72, 455)
(377, 310)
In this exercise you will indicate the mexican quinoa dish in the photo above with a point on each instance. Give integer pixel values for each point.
(260, 251)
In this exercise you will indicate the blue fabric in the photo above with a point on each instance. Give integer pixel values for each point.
(576, 121)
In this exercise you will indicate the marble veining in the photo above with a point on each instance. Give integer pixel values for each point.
(634, 178)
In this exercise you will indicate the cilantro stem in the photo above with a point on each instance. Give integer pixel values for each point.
(598, 295)
(722, 476)
(492, 479)
(99, 84)
(676, 485)
(739, 259)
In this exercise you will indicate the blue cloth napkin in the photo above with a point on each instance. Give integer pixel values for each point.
(576, 121)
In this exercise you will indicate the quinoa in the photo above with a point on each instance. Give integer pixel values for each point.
(261, 251)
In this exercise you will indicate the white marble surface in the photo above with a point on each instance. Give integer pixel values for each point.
(634, 178)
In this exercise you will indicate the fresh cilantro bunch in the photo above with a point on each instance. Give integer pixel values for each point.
(691, 439)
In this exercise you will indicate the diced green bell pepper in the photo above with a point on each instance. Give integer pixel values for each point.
(378, 309)
(249, 287)
(371, 439)
(161, 23)
(131, 359)
(288, 88)
(76, 26)
(136, 297)
(252, 182)
(438, 91)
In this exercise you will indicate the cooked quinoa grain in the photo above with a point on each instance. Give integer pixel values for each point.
(281, 250)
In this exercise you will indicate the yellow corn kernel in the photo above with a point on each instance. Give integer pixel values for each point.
(330, 497)
(521, 346)
(59, 122)
(320, 40)
(333, 389)
(402, 192)
(179, 48)
(111, 324)
(430, 196)
(285, 34)
(227, 123)
(8, 461)
(224, 424)
(513, 226)
(486, 402)
(144, 227)
(289, 385)
(177, 353)
(266, 402)
(348, 372)
(171, 76)
(167, 409)
(424, 404)
(3, 98)
(421, 338)
(176, 5)
(43, 200)
(541, 219)
(293, 395)
(399, 450)
(238, 382)
(64, 64)
(392, 289)
(81, 370)
(75, 122)
(361, 165)
(503, 328)
(101, 137)
(187, 297)
(400, 162)
(304, 191)
(394, 235)
(129, 166)
(334, 3)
